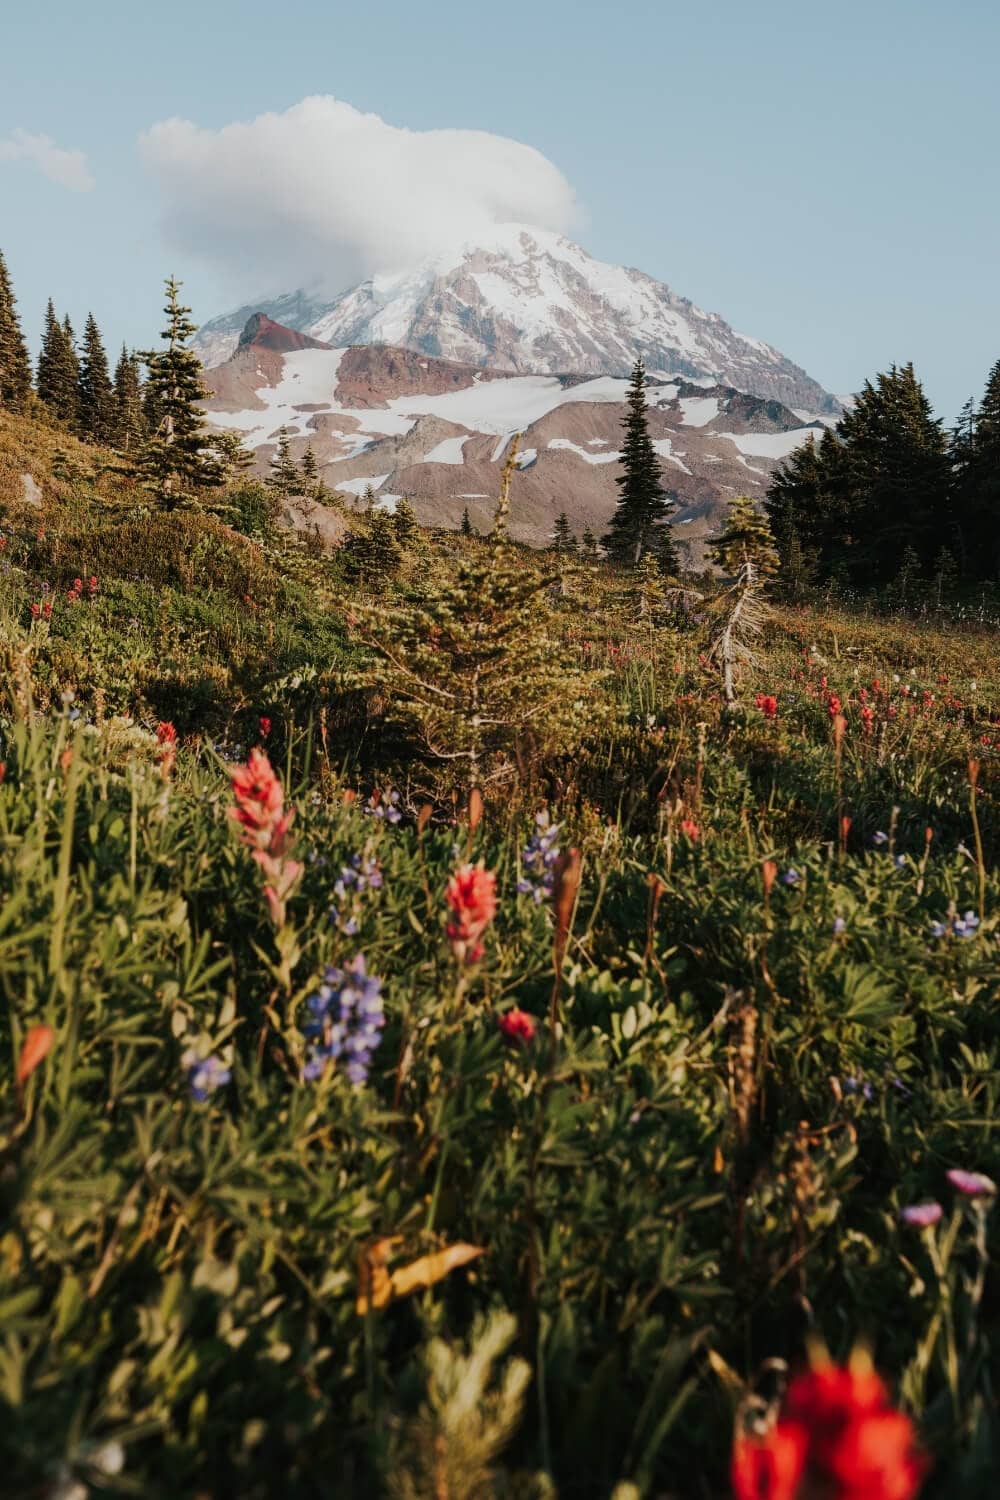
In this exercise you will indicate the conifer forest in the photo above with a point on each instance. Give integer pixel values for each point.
(484, 1022)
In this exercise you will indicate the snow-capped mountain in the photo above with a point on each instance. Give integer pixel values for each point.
(403, 423)
(527, 300)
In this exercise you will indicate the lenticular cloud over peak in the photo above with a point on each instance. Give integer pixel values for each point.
(324, 194)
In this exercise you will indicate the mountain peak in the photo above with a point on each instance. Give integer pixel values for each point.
(262, 332)
(519, 299)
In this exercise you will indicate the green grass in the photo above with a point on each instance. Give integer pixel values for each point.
(756, 1054)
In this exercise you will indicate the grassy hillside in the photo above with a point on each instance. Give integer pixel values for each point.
(734, 1012)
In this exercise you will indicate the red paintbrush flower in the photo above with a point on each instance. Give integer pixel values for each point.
(471, 894)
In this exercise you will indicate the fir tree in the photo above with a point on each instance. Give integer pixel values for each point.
(649, 595)
(129, 417)
(176, 460)
(309, 470)
(975, 453)
(745, 537)
(588, 545)
(374, 553)
(404, 522)
(471, 665)
(234, 457)
(563, 539)
(15, 368)
(945, 577)
(285, 475)
(57, 380)
(466, 527)
(641, 518)
(877, 484)
(96, 403)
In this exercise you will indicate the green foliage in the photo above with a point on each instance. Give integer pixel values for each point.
(130, 428)
(58, 377)
(876, 484)
(15, 368)
(284, 476)
(176, 462)
(746, 537)
(96, 395)
(640, 523)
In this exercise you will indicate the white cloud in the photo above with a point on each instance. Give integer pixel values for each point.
(323, 194)
(68, 168)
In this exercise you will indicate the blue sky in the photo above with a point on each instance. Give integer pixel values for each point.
(824, 177)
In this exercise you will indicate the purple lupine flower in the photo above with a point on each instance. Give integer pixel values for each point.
(839, 925)
(859, 1086)
(972, 1184)
(880, 838)
(361, 873)
(899, 861)
(385, 806)
(204, 1074)
(965, 926)
(790, 877)
(538, 858)
(921, 1215)
(348, 1017)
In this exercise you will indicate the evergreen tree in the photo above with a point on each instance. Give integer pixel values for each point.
(176, 461)
(404, 522)
(641, 519)
(233, 456)
(975, 452)
(945, 577)
(96, 400)
(466, 528)
(309, 470)
(588, 545)
(875, 485)
(285, 473)
(374, 553)
(57, 380)
(649, 597)
(745, 537)
(563, 539)
(15, 368)
(471, 665)
(129, 417)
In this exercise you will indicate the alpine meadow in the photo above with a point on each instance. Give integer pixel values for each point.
(499, 874)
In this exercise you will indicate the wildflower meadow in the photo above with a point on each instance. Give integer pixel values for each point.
(415, 1086)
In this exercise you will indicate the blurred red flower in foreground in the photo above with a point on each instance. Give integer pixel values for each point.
(836, 1438)
(517, 1025)
(259, 797)
(471, 894)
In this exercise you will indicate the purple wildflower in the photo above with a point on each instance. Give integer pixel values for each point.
(790, 877)
(348, 1017)
(880, 838)
(921, 1215)
(362, 873)
(972, 1184)
(385, 807)
(839, 926)
(539, 857)
(204, 1074)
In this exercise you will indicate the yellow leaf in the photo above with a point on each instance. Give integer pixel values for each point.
(377, 1286)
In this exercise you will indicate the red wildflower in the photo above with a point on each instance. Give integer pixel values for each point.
(260, 799)
(35, 611)
(166, 733)
(867, 718)
(471, 894)
(36, 1047)
(768, 705)
(517, 1025)
(834, 705)
(47, 609)
(690, 828)
(837, 1436)
(264, 726)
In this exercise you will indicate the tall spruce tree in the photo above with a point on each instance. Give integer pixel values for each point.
(975, 451)
(96, 405)
(129, 417)
(641, 521)
(177, 461)
(285, 476)
(563, 539)
(57, 379)
(875, 485)
(15, 367)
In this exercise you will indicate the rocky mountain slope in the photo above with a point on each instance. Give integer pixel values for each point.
(527, 300)
(437, 431)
